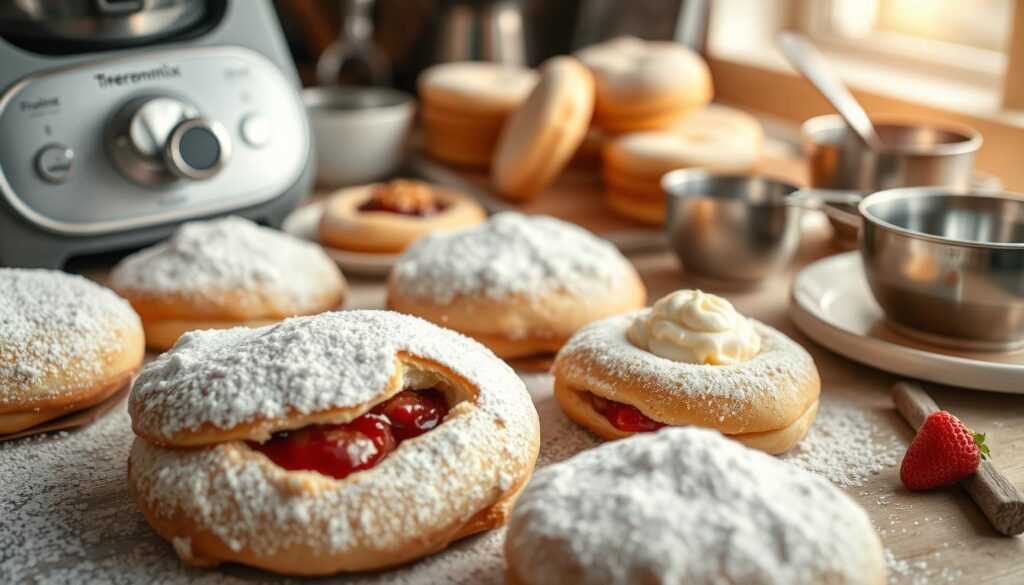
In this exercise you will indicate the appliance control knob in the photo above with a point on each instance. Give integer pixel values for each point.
(159, 140)
(197, 148)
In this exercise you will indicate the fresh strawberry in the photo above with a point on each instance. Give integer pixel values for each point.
(943, 452)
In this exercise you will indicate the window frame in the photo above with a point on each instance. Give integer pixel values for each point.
(950, 60)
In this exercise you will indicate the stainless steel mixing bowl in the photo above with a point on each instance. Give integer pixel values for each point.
(947, 267)
(732, 229)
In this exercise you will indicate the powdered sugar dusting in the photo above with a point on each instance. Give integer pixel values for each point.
(511, 255)
(768, 379)
(846, 445)
(723, 514)
(230, 377)
(78, 524)
(220, 260)
(55, 325)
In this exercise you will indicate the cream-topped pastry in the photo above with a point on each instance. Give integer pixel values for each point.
(697, 328)
(692, 359)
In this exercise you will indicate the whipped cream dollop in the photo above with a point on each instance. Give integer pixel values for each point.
(695, 327)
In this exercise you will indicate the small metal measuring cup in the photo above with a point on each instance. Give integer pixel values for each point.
(916, 153)
(737, 229)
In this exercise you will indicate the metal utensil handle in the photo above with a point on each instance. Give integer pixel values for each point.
(818, 198)
(813, 66)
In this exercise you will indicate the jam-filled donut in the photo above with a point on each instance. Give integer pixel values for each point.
(689, 360)
(384, 218)
(687, 506)
(347, 441)
(521, 285)
(226, 273)
(65, 344)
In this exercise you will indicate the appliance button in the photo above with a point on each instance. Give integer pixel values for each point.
(56, 163)
(197, 149)
(255, 130)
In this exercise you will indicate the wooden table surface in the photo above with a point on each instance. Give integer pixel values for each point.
(938, 536)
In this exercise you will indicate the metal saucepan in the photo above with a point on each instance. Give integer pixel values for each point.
(916, 153)
(947, 267)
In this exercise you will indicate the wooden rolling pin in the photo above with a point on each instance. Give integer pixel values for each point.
(1001, 502)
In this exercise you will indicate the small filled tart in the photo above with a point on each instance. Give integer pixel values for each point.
(521, 285)
(66, 344)
(347, 441)
(384, 218)
(226, 273)
(687, 506)
(692, 359)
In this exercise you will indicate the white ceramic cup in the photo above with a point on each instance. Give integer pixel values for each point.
(360, 133)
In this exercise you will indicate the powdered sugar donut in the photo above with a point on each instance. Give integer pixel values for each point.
(689, 360)
(225, 273)
(687, 506)
(66, 344)
(339, 442)
(384, 218)
(519, 284)
(645, 84)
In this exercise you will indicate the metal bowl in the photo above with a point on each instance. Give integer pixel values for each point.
(732, 229)
(947, 267)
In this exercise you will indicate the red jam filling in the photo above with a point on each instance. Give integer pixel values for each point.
(338, 450)
(403, 198)
(625, 417)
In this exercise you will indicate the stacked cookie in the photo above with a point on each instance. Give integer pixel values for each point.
(718, 138)
(643, 85)
(466, 104)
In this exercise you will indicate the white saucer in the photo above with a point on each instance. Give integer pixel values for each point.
(302, 223)
(832, 304)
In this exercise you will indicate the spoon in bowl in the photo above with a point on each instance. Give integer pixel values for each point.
(809, 61)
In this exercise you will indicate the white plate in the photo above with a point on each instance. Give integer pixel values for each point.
(832, 304)
(302, 223)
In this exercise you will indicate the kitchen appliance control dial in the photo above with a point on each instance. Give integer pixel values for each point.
(159, 140)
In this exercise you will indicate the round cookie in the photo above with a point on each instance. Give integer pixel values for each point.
(225, 273)
(645, 84)
(725, 143)
(519, 284)
(639, 209)
(220, 468)
(67, 344)
(686, 505)
(384, 218)
(475, 88)
(545, 131)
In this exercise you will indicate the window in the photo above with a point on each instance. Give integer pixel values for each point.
(948, 37)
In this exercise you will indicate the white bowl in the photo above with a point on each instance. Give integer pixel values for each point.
(361, 133)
